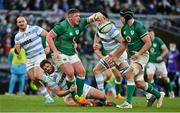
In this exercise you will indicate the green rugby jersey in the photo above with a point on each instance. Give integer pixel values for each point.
(133, 34)
(66, 34)
(155, 50)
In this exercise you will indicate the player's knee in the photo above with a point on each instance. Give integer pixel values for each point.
(139, 84)
(136, 68)
(166, 79)
(96, 71)
(82, 72)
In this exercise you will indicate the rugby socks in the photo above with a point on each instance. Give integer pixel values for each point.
(100, 81)
(130, 91)
(169, 86)
(148, 95)
(80, 85)
(69, 84)
(44, 91)
(150, 89)
(117, 87)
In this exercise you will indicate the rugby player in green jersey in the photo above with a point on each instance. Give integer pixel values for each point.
(137, 42)
(156, 64)
(65, 35)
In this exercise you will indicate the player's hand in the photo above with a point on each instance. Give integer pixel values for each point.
(159, 58)
(135, 56)
(96, 46)
(55, 55)
(73, 88)
(47, 50)
(100, 16)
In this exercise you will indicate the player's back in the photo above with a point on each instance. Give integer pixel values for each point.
(31, 41)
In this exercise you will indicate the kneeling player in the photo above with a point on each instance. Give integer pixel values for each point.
(57, 82)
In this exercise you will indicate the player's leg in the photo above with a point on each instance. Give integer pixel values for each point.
(65, 65)
(80, 79)
(93, 93)
(140, 83)
(161, 67)
(118, 86)
(118, 72)
(38, 76)
(69, 100)
(129, 74)
(100, 73)
(150, 72)
(107, 76)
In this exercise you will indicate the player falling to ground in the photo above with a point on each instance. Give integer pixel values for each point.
(137, 40)
(29, 38)
(156, 64)
(57, 82)
(110, 37)
(65, 35)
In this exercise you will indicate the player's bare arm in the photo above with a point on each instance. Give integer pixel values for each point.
(147, 44)
(44, 33)
(59, 92)
(120, 49)
(164, 52)
(97, 46)
(49, 38)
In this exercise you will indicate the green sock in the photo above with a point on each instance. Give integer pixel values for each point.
(80, 85)
(130, 91)
(153, 91)
(152, 83)
(69, 84)
(169, 86)
(117, 87)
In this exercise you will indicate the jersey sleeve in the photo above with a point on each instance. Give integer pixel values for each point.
(58, 29)
(83, 22)
(39, 30)
(116, 33)
(141, 30)
(161, 43)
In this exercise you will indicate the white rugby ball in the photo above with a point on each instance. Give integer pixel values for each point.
(106, 27)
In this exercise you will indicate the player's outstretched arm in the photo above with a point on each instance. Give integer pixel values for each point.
(120, 49)
(59, 92)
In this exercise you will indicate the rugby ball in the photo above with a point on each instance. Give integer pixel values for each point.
(105, 27)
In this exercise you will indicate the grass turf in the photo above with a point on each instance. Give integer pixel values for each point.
(35, 104)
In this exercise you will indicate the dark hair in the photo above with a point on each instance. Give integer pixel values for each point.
(104, 13)
(44, 62)
(150, 29)
(72, 10)
(127, 14)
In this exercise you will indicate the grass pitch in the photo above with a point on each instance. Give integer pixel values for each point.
(36, 104)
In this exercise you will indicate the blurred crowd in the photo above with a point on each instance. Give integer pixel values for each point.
(113, 6)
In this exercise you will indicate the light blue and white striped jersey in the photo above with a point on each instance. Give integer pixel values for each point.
(108, 39)
(57, 79)
(31, 41)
